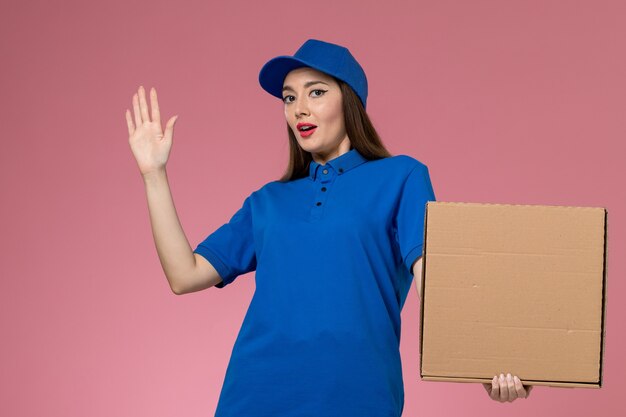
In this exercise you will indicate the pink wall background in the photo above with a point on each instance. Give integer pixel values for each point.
(505, 101)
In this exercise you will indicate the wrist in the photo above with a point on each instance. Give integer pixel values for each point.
(154, 175)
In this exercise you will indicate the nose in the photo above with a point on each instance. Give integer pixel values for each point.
(301, 107)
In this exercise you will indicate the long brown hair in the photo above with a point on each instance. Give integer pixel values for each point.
(359, 128)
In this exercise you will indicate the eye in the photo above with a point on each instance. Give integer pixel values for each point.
(285, 99)
(322, 91)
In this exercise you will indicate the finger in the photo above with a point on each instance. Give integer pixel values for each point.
(504, 391)
(138, 121)
(519, 388)
(143, 104)
(169, 127)
(510, 384)
(495, 389)
(156, 114)
(129, 123)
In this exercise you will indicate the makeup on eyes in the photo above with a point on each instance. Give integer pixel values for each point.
(316, 89)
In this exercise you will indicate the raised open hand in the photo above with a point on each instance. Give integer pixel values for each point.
(507, 388)
(149, 144)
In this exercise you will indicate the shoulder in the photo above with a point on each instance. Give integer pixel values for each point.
(409, 161)
(401, 165)
(269, 189)
(271, 186)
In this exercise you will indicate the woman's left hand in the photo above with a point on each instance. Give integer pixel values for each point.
(507, 388)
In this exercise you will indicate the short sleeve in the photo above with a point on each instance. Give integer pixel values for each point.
(409, 222)
(230, 248)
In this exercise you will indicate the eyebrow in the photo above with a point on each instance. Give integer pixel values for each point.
(307, 84)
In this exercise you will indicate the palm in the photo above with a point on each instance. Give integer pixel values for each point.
(150, 148)
(149, 143)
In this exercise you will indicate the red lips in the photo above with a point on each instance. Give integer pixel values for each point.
(307, 132)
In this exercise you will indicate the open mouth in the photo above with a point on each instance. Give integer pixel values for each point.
(306, 129)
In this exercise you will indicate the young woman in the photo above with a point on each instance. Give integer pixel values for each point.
(335, 243)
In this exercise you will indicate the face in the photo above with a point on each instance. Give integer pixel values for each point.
(313, 97)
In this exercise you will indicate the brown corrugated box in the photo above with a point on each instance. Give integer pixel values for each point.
(513, 288)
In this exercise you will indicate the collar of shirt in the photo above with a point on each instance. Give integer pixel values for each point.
(341, 164)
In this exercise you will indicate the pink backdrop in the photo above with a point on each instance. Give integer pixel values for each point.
(505, 101)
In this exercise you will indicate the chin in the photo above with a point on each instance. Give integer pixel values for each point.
(306, 144)
(311, 148)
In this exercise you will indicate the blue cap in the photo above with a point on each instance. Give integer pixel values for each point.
(332, 59)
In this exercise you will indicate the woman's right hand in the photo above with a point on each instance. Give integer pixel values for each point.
(149, 144)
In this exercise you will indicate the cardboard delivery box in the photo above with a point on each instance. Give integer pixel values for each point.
(513, 288)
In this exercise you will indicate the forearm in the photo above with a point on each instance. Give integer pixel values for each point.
(417, 276)
(174, 252)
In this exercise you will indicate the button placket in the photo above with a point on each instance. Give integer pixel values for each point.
(323, 182)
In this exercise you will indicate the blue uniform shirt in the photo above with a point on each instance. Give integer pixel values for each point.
(333, 254)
